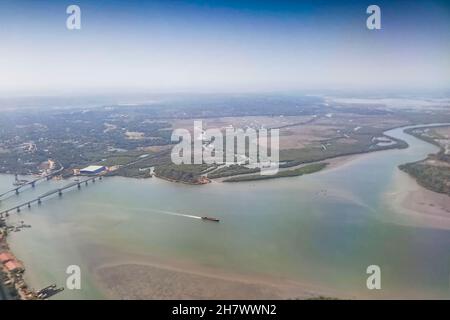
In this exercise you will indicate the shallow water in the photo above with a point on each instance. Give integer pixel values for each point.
(323, 229)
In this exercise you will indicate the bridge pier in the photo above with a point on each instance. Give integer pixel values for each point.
(60, 191)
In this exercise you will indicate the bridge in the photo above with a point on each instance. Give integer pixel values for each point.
(39, 199)
(31, 183)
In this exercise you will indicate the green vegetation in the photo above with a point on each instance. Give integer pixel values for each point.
(120, 136)
(232, 170)
(186, 173)
(74, 138)
(333, 149)
(432, 173)
(139, 165)
(436, 178)
(311, 168)
(119, 159)
(419, 133)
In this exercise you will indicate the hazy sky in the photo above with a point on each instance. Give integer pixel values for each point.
(223, 45)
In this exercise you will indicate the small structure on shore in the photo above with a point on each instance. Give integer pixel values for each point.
(19, 182)
(203, 180)
(5, 257)
(11, 263)
(14, 266)
(49, 291)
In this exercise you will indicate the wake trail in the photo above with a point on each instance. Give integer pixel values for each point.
(176, 214)
(171, 213)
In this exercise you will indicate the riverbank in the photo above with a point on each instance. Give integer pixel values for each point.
(139, 281)
(331, 164)
(149, 277)
(307, 169)
(433, 173)
(287, 239)
(201, 181)
(13, 285)
(13, 276)
(418, 205)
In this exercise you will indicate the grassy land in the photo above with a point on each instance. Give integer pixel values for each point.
(311, 168)
(136, 166)
(294, 157)
(182, 173)
(232, 170)
(431, 177)
(432, 173)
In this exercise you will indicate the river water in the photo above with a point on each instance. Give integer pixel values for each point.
(323, 229)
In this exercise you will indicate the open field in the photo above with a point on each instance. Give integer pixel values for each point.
(307, 169)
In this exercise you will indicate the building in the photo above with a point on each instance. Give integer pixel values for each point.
(92, 170)
(14, 266)
(5, 257)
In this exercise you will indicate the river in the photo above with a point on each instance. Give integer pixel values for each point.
(322, 229)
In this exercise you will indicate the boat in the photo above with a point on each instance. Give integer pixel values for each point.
(53, 286)
(49, 291)
(210, 219)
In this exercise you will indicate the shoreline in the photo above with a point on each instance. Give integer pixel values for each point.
(410, 200)
(413, 200)
(166, 282)
(12, 271)
(332, 164)
(257, 285)
(177, 181)
(407, 200)
(173, 279)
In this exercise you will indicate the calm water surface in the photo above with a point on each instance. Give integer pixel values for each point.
(323, 229)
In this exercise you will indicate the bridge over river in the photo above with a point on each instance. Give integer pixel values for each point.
(32, 183)
(58, 191)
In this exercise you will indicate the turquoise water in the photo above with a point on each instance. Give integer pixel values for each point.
(323, 229)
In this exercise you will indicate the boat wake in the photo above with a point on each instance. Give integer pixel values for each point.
(176, 214)
(171, 213)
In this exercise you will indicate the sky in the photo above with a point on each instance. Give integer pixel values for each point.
(209, 46)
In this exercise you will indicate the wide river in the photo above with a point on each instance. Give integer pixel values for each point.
(322, 229)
